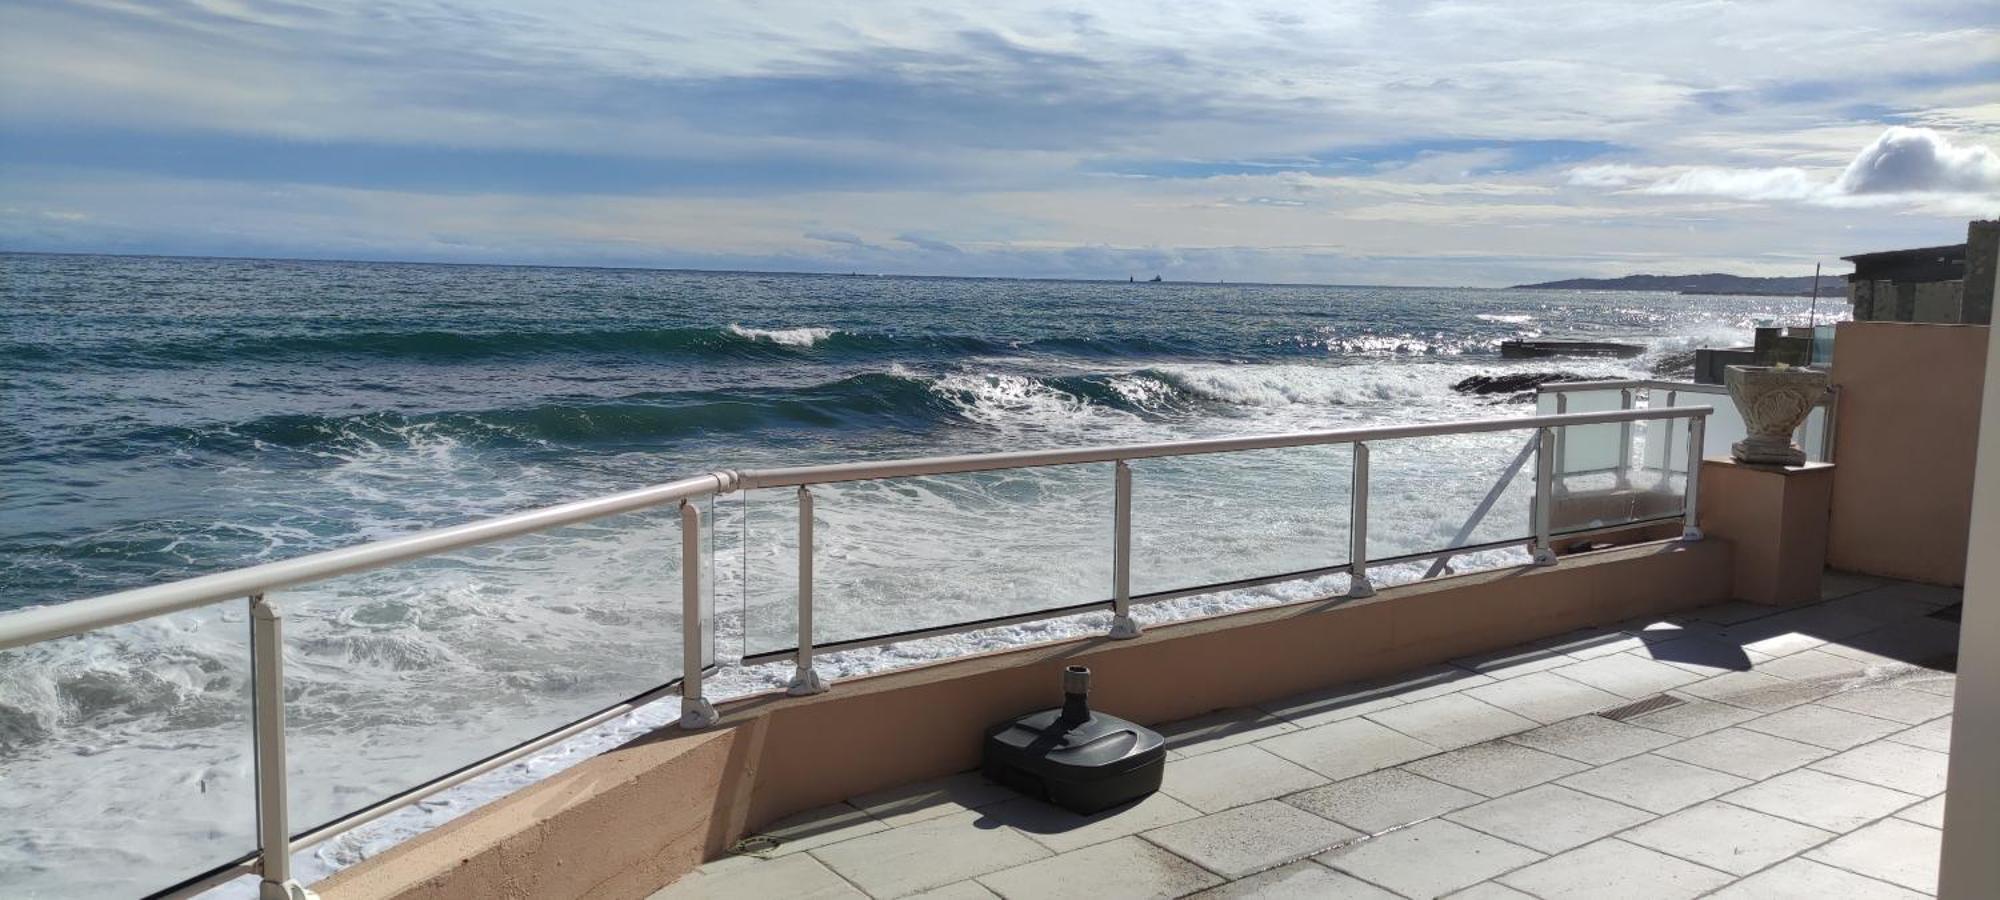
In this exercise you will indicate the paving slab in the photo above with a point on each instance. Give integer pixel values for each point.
(1545, 697)
(1760, 691)
(1912, 770)
(1614, 868)
(1915, 642)
(1251, 838)
(798, 875)
(1494, 768)
(1840, 584)
(1221, 730)
(1348, 700)
(1943, 684)
(1910, 707)
(1429, 859)
(1514, 662)
(1489, 890)
(1452, 721)
(1824, 726)
(1378, 801)
(1932, 735)
(1593, 739)
(1702, 654)
(1062, 831)
(1550, 818)
(1747, 754)
(1591, 642)
(918, 801)
(1693, 716)
(1726, 837)
(1893, 850)
(1799, 629)
(1821, 800)
(1803, 879)
(1930, 812)
(1653, 783)
(960, 890)
(1347, 748)
(1627, 675)
(1816, 666)
(1217, 781)
(818, 828)
(929, 854)
(1731, 612)
(1302, 880)
(1124, 869)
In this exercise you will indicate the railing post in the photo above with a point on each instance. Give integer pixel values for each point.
(804, 680)
(267, 716)
(1358, 584)
(1562, 441)
(696, 711)
(1625, 441)
(1545, 495)
(1691, 497)
(1123, 626)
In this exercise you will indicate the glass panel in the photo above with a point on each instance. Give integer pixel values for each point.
(397, 676)
(1199, 520)
(1725, 427)
(907, 554)
(1592, 448)
(1618, 494)
(125, 756)
(1425, 493)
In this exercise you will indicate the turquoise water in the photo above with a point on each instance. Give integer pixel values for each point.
(161, 418)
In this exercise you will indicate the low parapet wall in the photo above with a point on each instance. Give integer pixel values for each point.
(630, 821)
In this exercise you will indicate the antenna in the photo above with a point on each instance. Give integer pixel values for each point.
(1815, 301)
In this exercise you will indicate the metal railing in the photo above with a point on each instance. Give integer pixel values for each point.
(1818, 447)
(276, 842)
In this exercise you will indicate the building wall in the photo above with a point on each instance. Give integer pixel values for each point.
(1905, 443)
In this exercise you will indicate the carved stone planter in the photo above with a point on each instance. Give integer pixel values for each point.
(1774, 402)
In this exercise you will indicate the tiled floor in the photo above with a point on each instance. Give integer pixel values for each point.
(1807, 760)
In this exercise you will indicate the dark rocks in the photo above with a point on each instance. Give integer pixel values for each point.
(1513, 383)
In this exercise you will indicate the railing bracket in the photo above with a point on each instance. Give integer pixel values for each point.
(698, 713)
(1360, 587)
(1545, 556)
(805, 683)
(1690, 533)
(284, 890)
(1124, 628)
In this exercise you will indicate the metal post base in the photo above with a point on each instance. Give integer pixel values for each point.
(1360, 587)
(805, 683)
(698, 714)
(1124, 628)
(284, 890)
(1545, 556)
(1691, 533)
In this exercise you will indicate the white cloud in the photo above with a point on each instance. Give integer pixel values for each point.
(1918, 166)
(1906, 160)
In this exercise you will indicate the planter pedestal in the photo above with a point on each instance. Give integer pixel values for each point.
(1776, 519)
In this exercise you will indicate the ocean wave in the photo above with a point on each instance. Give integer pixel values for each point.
(1291, 385)
(1506, 318)
(789, 337)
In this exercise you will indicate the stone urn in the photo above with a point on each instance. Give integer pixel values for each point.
(1774, 401)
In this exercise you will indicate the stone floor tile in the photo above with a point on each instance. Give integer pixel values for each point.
(1653, 783)
(1452, 721)
(1893, 703)
(1821, 800)
(1627, 675)
(798, 875)
(1918, 642)
(1378, 801)
(1545, 697)
(1593, 739)
(1815, 666)
(1893, 850)
(1726, 837)
(1937, 596)
(1750, 754)
(1347, 748)
(1943, 684)
(1703, 655)
(1220, 730)
(1592, 642)
(958, 890)
(1932, 735)
(1884, 607)
(1062, 831)
(1840, 584)
(1495, 768)
(1930, 812)
(1912, 770)
(1834, 729)
(1694, 716)
(905, 804)
(818, 828)
(1733, 612)
(1302, 880)
(1489, 890)
(1803, 879)
(1250, 838)
(1549, 818)
(1429, 859)
(1358, 698)
(1124, 868)
(1758, 691)
(1799, 629)
(1614, 868)
(1513, 662)
(1217, 781)
(929, 854)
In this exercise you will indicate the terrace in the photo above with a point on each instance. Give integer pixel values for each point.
(1732, 751)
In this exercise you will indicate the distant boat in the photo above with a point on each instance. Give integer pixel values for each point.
(1154, 278)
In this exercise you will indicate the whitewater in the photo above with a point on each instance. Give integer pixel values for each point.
(165, 418)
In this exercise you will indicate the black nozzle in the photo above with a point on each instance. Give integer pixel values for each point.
(1076, 694)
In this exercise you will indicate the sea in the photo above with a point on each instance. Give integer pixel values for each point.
(162, 418)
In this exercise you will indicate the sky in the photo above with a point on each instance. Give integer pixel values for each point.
(1456, 142)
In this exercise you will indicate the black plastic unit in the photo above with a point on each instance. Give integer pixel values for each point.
(1080, 760)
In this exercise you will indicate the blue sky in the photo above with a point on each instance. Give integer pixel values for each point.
(1448, 142)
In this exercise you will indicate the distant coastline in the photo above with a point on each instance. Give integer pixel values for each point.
(1709, 283)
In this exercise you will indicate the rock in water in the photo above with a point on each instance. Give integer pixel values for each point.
(1484, 385)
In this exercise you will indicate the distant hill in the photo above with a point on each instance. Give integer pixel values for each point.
(1711, 283)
